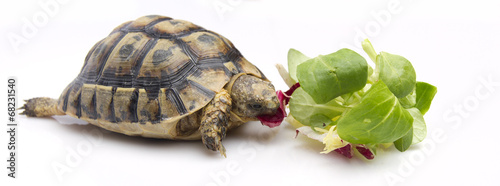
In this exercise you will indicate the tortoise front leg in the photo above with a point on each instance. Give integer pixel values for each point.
(214, 122)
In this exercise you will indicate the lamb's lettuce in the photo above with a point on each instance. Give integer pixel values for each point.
(378, 118)
(410, 100)
(425, 93)
(403, 143)
(348, 102)
(328, 76)
(294, 59)
(419, 128)
(307, 111)
(397, 72)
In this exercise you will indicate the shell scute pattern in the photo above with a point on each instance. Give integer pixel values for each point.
(153, 70)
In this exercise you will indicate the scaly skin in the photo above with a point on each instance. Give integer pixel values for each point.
(41, 107)
(215, 120)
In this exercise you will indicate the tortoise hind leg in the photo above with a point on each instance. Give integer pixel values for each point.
(214, 122)
(41, 107)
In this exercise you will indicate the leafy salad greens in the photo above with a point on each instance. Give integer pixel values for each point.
(343, 102)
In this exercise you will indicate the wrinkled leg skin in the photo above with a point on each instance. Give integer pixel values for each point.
(41, 107)
(214, 122)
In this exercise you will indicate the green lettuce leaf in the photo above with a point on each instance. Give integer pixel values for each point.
(378, 118)
(305, 110)
(328, 76)
(425, 94)
(409, 101)
(294, 59)
(419, 127)
(397, 73)
(403, 143)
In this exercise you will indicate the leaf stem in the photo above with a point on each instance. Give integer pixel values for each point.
(320, 130)
(357, 96)
(285, 75)
(368, 48)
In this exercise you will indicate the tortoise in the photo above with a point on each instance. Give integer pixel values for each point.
(160, 77)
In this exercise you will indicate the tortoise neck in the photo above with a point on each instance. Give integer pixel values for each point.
(229, 85)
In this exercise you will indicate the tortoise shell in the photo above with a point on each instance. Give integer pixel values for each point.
(154, 70)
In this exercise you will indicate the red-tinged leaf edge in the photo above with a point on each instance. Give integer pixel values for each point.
(345, 151)
(289, 92)
(365, 151)
(276, 119)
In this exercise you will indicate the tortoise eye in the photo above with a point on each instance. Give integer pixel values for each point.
(256, 106)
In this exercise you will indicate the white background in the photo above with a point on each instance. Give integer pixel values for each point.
(452, 44)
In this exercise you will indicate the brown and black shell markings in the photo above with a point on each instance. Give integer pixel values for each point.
(149, 74)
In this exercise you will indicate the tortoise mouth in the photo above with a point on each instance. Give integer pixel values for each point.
(274, 120)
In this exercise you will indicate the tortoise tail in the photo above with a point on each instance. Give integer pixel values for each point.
(41, 107)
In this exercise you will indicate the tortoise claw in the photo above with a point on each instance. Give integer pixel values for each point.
(215, 144)
(222, 150)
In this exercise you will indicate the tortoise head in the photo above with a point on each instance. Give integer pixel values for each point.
(252, 97)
